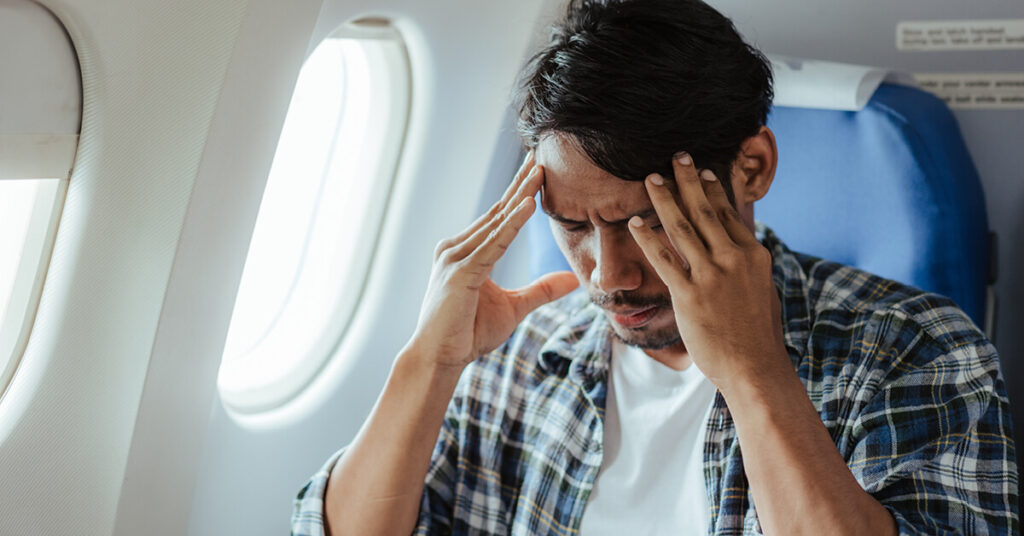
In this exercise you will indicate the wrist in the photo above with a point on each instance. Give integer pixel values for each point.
(413, 362)
(764, 381)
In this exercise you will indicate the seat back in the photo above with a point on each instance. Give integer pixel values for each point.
(890, 189)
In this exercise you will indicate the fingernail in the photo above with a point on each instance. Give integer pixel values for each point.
(656, 179)
(707, 175)
(527, 157)
(636, 221)
(684, 159)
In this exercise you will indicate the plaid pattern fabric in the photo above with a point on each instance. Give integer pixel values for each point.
(909, 389)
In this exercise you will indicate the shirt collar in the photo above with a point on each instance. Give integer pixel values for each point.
(583, 343)
(792, 286)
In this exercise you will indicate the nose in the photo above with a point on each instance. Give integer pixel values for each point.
(616, 267)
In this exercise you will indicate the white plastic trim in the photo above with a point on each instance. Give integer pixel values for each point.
(40, 94)
(37, 156)
(829, 85)
(76, 412)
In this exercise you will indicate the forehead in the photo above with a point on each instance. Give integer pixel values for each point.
(576, 188)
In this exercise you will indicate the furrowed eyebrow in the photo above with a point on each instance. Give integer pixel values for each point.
(559, 218)
(643, 214)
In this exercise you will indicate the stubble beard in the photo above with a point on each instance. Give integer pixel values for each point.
(644, 337)
(647, 339)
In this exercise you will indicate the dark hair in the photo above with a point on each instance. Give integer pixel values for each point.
(634, 82)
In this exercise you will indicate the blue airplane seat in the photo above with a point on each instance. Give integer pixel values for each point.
(890, 189)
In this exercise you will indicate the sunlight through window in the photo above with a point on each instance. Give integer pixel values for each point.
(29, 219)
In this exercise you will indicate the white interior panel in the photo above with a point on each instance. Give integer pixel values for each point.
(41, 104)
(151, 75)
(182, 377)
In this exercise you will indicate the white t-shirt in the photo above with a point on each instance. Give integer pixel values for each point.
(651, 480)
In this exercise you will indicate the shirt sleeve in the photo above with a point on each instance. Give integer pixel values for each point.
(934, 443)
(308, 509)
(438, 491)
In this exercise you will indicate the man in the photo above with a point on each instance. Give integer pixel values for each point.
(705, 378)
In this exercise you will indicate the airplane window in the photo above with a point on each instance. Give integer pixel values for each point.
(29, 216)
(318, 221)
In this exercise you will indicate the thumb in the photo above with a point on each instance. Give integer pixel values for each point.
(546, 289)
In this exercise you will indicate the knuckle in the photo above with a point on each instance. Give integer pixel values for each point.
(731, 257)
(665, 255)
(477, 267)
(684, 227)
(462, 266)
(447, 256)
(728, 213)
(707, 212)
(716, 274)
(727, 257)
(442, 246)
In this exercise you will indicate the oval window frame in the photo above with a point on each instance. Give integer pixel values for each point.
(241, 388)
(38, 142)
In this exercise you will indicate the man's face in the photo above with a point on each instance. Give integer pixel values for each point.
(589, 210)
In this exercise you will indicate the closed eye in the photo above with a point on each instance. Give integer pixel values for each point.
(573, 226)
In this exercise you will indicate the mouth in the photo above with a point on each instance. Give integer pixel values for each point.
(634, 318)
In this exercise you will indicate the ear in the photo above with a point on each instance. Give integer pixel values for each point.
(754, 168)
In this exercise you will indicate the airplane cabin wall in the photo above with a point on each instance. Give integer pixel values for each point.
(151, 74)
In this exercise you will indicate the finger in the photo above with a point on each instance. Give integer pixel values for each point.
(528, 187)
(470, 241)
(494, 246)
(525, 174)
(727, 214)
(669, 267)
(702, 214)
(526, 191)
(548, 288)
(681, 233)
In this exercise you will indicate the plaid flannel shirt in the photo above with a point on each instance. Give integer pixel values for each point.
(909, 389)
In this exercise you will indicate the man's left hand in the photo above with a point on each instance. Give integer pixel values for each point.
(718, 274)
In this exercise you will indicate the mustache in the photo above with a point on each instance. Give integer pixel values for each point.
(631, 300)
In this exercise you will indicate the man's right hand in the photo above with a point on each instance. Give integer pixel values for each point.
(465, 314)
